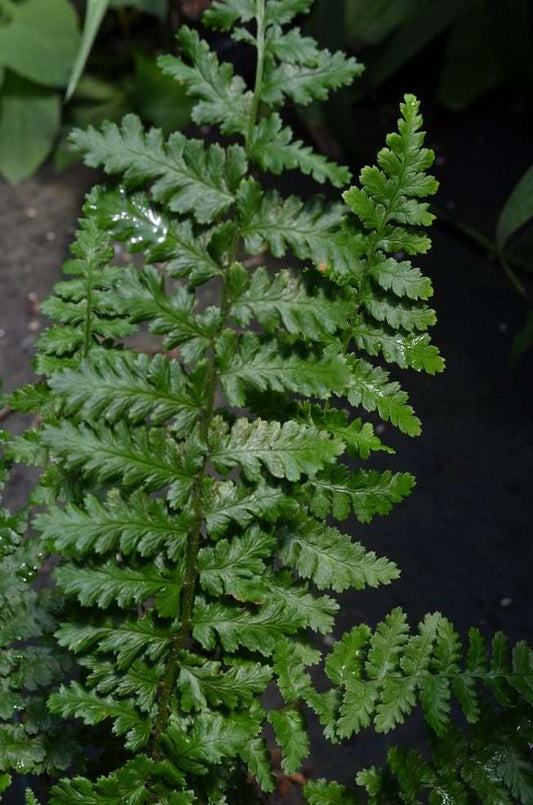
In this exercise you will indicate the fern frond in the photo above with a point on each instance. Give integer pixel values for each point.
(141, 295)
(291, 735)
(92, 709)
(236, 626)
(140, 457)
(332, 560)
(275, 150)
(138, 523)
(206, 683)
(246, 363)
(287, 450)
(222, 96)
(226, 502)
(303, 83)
(189, 177)
(126, 585)
(365, 492)
(311, 231)
(285, 298)
(126, 786)
(401, 669)
(211, 739)
(121, 384)
(132, 217)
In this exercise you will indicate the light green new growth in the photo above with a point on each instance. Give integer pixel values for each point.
(187, 493)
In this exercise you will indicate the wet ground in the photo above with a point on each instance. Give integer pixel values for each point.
(463, 540)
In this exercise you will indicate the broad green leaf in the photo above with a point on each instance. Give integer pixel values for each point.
(29, 122)
(518, 209)
(40, 41)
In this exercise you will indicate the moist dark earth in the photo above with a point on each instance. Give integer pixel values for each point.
(463, 539)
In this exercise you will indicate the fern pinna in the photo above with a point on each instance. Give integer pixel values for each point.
(189, 493)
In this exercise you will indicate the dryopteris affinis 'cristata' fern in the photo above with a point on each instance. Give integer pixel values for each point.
(188, 493)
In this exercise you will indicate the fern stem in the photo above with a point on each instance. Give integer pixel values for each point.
(194, 541)
(260, 68)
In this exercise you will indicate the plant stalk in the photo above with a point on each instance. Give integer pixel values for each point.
(260, 69)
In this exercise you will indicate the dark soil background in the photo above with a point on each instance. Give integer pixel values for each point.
(463, 539)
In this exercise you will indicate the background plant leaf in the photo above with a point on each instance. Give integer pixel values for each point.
(29, 121)
(94, 15)
(41, 41)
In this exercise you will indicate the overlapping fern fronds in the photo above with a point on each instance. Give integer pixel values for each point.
(186, 492)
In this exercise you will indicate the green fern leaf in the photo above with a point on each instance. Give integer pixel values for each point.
(222, 96)
(236, 626)
(134, 386)
(321, 792)
(401, 278)
(142, 296)
(305, 83)
(287, 450)
(317, 612)
(125, 585)
(226, 502)
(366, 492)
(372, 388)
(309, 230)
(257, 759)
(223, 14)
(75, 701)
(202, 683)
(346, 659)
(407, 350)
(232, 567)
(211, 739)
(332, 560)
(126, 786)
(246, 362)
(189, 177)
(126, 640)
(138, 524)
(359, 437)
(140, 457)
(131, 217)
(291, 734)
(275, 150)
(285, 298)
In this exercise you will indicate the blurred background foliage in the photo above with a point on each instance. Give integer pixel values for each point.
(71, 62)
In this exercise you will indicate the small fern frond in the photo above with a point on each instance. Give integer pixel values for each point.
(401, 670)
